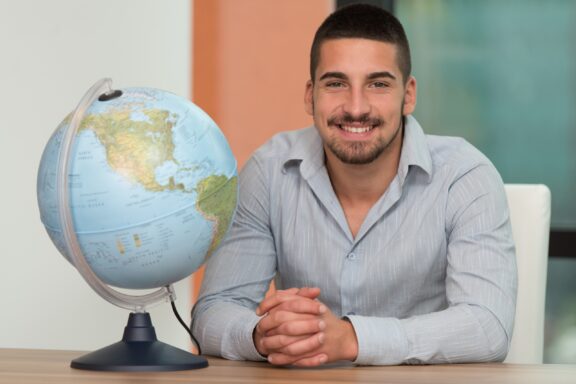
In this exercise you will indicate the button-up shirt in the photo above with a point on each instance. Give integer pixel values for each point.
(430, 277)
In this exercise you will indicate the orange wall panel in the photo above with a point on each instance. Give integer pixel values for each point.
(251, 61)
(250, 67)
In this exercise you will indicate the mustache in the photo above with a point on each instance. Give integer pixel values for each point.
(347, 118)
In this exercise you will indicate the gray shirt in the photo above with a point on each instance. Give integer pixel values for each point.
(429, 278)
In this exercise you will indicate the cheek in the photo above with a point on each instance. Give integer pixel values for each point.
(391, 106)
(319, 108)
(327, 105)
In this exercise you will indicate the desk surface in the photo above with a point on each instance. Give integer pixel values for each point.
(21, 366)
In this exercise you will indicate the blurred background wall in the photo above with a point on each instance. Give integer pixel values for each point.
(502, 74)
(51, 52)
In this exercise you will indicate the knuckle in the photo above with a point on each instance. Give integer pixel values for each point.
(291, 350)
(277, 316)
(266, 342)
(313, 341)
(284, 340)
(263, 325)
(310, 326)
(289, 328)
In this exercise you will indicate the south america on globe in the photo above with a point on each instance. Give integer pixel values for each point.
(152, 184)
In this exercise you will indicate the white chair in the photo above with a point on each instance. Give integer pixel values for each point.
(530, 217)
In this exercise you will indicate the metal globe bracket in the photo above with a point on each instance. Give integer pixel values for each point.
(139, 349)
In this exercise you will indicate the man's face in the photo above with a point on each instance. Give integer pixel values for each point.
(358, 99)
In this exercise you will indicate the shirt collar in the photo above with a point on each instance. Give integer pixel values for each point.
(415, 150)
(308, 151)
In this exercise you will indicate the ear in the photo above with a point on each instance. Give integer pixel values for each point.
(309, 98)
(410, 92)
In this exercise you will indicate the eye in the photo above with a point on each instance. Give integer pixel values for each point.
(379, 84)
(334, 84)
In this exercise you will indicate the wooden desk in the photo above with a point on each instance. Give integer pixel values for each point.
(20, 366)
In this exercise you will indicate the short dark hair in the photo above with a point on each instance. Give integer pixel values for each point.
(363, 21)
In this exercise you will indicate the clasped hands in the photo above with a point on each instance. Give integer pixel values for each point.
(298, 329)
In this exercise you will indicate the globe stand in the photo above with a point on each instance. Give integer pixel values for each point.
(139, 350)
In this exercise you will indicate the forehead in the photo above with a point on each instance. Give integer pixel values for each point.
(349, 55)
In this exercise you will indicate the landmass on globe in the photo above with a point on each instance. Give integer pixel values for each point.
(135, 149)
(216, 199)
(153, 188)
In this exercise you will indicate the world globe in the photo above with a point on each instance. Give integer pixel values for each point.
(136, 188)
(152, 187)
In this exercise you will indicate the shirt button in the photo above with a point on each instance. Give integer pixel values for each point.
(351, 256)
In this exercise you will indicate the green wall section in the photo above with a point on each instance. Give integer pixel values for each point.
(502, 74)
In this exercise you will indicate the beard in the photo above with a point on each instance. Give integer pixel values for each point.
(356, 152)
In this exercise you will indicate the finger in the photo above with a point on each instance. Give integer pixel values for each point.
(313, 361)
(290, 291)
(302, 305)
(276, 343)
(281, 359)
(282, 297)
(304, 346)
(277, 298)
(272, 301)
(298, 327)
(278, 318)
(308, 361)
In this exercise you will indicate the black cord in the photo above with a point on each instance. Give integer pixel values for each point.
(185, 327)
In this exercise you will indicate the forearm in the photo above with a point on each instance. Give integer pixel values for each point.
(237, 276)
(462, 333)
(225, 329)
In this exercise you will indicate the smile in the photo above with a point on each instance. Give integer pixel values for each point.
(351, 129)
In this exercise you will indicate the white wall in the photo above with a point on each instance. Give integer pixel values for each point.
(51, 52)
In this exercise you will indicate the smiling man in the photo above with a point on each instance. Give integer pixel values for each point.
(388, 246)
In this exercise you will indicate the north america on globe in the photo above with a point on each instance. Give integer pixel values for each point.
(153, 188)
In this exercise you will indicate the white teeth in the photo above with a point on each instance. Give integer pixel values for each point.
(356, 129)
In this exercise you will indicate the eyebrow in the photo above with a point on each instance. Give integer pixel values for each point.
(372, 76)
(377, 75)
(333, 75)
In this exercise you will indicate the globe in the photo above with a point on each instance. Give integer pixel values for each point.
(152, 186)
(136, 188)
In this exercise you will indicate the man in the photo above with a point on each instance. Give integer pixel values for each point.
(388, 246)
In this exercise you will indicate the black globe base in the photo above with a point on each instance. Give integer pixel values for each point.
(139, 350)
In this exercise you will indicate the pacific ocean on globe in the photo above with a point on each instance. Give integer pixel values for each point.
(152, 185)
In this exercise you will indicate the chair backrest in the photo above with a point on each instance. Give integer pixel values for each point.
(530, 217)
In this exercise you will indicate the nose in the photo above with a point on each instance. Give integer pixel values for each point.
(357, 102)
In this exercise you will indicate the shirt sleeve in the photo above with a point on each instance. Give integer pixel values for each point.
(238, 275)
(481, 284)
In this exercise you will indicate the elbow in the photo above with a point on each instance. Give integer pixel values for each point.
(493, 336)
(498, 354)
(497, 345)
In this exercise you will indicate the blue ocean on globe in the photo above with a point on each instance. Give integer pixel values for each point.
(152, 184)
